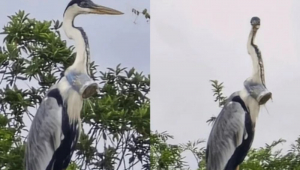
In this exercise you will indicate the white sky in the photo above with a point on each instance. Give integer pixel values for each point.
(195, 41)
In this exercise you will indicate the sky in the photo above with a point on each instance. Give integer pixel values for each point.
(195, 41)
(121, 39)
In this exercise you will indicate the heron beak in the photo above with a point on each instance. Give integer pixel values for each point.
(102, 10)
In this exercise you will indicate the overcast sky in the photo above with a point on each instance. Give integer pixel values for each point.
(195, 41)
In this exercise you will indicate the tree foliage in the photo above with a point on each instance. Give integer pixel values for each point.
(116, 121)
(263, 158)
(220, 98)
(163, 155)
(144, 12)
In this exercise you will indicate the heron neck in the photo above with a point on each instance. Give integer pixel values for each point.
(251, 104)
(257, 62)
(81, 63)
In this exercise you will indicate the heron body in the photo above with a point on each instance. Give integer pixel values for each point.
(232, 134)
(233, 131)
(56, 127)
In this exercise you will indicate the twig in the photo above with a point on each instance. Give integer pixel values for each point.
(126, 141)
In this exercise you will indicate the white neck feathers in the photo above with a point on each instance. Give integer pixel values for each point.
(73, 33)
(251, 104)
(73, 99)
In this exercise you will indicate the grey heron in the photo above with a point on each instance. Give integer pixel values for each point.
(56, 127)
(233, 131)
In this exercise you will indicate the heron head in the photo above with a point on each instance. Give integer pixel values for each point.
(255, 22)
(89, 7)
(258, 91)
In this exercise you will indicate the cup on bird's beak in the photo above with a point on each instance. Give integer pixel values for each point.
(258, 91)
(88, 89)
(102, 10)
(83, 84)
(263, 97)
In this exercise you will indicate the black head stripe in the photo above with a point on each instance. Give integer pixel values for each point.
(239, 100)
(260, 61)
(56, 94)
(80, 3)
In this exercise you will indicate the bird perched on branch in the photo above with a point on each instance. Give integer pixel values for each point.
(56, 126)
(233, 131)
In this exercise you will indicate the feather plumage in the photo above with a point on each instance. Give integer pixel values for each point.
(230, 137)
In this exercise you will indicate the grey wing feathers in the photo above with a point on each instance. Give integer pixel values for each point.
(227, 133)
(44, 135)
